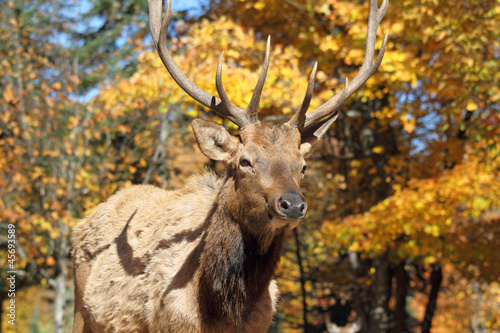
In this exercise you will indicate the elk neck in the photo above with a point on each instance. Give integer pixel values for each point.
(237, 265)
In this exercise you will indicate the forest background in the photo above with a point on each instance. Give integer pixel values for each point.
(403, 231)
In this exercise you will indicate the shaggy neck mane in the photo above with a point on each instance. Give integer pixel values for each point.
(236, 267)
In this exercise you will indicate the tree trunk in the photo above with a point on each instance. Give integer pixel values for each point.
(159, 156)
(302, 280)
(60, 284)
(17, 38)
(402, 284)
(59, 302)
(379, 314)
(361, 305)
(436, 279)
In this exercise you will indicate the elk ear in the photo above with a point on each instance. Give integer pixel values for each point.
(213, 139)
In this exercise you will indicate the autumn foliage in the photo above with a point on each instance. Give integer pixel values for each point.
(404, 188)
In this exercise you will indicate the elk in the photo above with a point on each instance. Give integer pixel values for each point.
(202, 258)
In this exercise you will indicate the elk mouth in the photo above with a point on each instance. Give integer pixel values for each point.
(279, 223)
(279, 220)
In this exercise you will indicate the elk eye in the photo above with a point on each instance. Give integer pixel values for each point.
(304, 168)
(244, 162)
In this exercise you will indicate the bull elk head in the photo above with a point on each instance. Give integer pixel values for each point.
(305, 128)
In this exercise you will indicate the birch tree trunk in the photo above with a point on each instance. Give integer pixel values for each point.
(60, 297)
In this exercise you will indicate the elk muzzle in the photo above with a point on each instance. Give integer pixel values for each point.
(292, 206)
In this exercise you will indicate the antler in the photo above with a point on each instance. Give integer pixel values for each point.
(299, 118)
(315, 122)
(223, 106)
(318, 121)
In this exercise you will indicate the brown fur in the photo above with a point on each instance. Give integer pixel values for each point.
(200, 259)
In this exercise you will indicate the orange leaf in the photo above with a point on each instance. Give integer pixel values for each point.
(50, 261)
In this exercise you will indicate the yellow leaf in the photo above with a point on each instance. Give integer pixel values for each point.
(471, 105)
(409, 125)
(57, 85)
(397, 28)
(378, 149)
(354, 247)
(8, 95)
(429, 260)
(259, 5)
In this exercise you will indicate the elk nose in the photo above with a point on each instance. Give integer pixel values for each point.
(292, 205)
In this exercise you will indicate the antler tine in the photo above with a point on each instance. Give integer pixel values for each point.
(235, 114)
(155, 19)
(253, 106)
(159, 30)
(367, 69)
(159, 33)
(248, 116)
(299, 117)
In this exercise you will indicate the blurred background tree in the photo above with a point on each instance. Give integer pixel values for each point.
(403, 225)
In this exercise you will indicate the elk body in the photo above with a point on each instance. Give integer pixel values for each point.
(202, 259)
